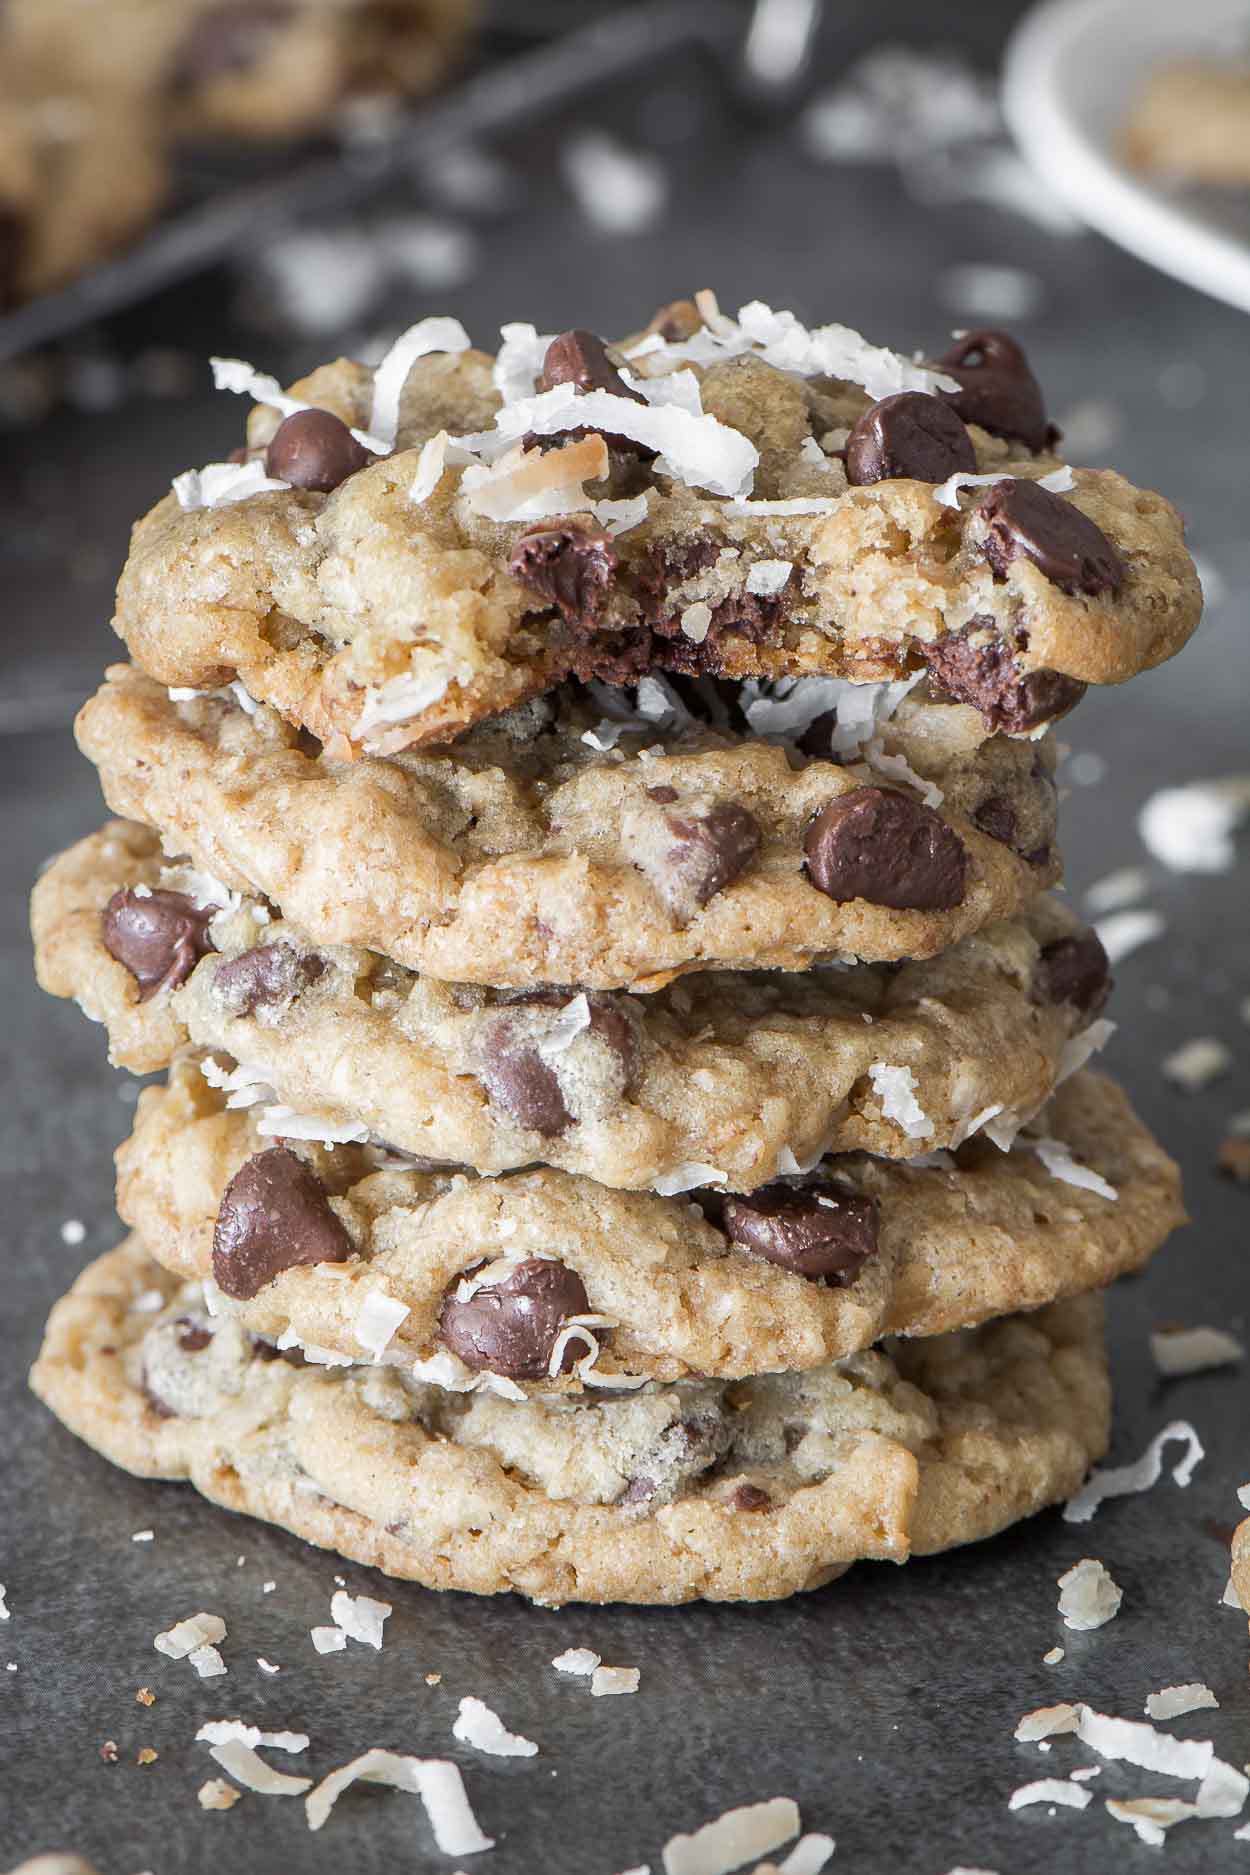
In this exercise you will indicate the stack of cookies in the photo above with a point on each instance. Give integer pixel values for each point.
(589, 816)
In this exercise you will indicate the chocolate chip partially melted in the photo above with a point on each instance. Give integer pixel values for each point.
(908, 434)
(997, 389)
(710, 850)
(1026, 521)
(275, 1215)
(224, 40)
(525, 1085)
(823, 1232)
(570, 565)
(1076, 970)
(882, 846)
(159, 936)
(314, 449)
(264, 977)
(511, 1327)
(987, 676)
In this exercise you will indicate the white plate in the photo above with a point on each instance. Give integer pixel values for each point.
(1072, 70)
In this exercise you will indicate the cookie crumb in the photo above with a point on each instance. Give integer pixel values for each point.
(1234, 1158)
(145, 1696)
(146, 1755)
(217, 1794)
(433, 1679)
(109, 1751)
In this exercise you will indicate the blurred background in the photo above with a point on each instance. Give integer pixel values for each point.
(584, 162)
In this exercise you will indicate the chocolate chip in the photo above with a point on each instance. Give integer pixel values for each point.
(665, 796)
(1076, 970)
(274, 1216)
(193, 1336)
(818, 1231)
(511, 1327)
(224, 39)
(879, 845)
(314, 449)
(750, 1497)
(159, 936)
(997, 389)
(570, 565)
(711, 850)
(1026, 521)
(908, 434)
(264, 976)
(517, 1079)
(581, 359)
(987, 676)
(997, 817)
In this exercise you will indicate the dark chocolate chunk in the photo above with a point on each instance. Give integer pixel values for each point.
(908, 434)
(997, 817)
(987, 676)
(570, 565)
(1076, 970)
(711, 850)
(581, 359)
(1027, 521)
(879, 845)
(264, 976)
(159, 936)
(193, 1336)
(274, 1216)
(511, 1327)
(314, 449)
(224, 39)
(997, 389)
(824, 1232)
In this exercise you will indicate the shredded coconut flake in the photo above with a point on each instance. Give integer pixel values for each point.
(1050, 1790)
(571, 1021)
(377, 1320)
(1126, 931)
(1088, 1597)
(579, 1660)
(1116, 890)
(1191, 829)
(808, 1856)
(620, 190)
(219, 1731)
(1047, 1722)
(207, 1662)
(280, 1122)
(436, 1781)
(606, 1682)
(688, 1177)
(1125, 1480)
(219, 484)
(476, 1724)
(733, 1838)
(400, 699)
(328, 1640)
(1132, 1742)
(1196, 1063)
(248, 1768)
(769, 577)
(1174, 1701)
(1058, 482)
(1058, 1160)
(185, 1636)
(1053, 1657)
(1077, 1050)
(895, 1088)
(428, 335)
(360, 1617)
(1194, 1350)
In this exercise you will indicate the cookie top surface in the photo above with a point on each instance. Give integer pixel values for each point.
(746, 1072)
(471, 1277)
(473, 538)
(561, 844)
(742, 1491)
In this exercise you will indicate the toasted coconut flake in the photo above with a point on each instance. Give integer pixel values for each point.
(185, 1636)
(895, 1088)
(1126, 931)
(1191, 829)
(1195, 1064)
(1047, 1722)
(534, 485)
(428, 335)
(1125, 1480)
(217, 1794)
(733, 1838)
(1151, 1817)
(247, 1767)
(1053, 1657)
(377, 1320)
(436, 1781)
(1173, 1701)
(608, 1682)
(477, 1725)
(1059, 1790)
(1194, 1350)
(576, 1660)
(360, 1617)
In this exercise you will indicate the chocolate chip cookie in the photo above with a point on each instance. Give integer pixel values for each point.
(315, 1244)
(397, 554)
(610, 839)
(743, 1490)
(745, 1071)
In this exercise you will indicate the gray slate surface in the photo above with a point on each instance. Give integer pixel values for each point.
(885, 1704)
